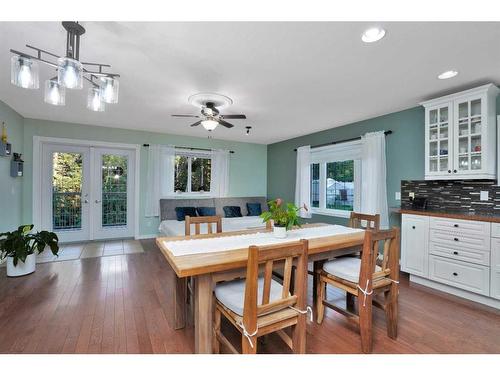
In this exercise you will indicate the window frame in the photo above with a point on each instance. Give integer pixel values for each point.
(337, 153)
(192, 154)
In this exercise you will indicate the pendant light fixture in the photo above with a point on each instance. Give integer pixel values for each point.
(71, 72)
(55, 93)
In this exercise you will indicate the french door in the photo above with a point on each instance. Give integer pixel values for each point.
(87, 192)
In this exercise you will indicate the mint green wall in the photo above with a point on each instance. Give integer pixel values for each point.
(404, 152)
(10, 187)
(247, 166)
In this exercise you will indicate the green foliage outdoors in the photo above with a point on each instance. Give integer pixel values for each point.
(283, 214)
(20, 243)
(201, 172)
(341, 171)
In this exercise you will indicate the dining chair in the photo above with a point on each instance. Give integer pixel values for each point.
(259, 305)
(198, 220)
(363, 278)
(364, 221)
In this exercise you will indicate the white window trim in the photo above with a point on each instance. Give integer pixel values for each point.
(191, 194)
(335, 153)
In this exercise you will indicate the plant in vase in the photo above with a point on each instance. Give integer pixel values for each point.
(284, 216)
(19, 248)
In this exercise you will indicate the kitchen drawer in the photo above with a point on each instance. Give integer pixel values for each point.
(495, 230)
(460, 240)
(495, 283)
(466, 255)
(467, 276)
(465, 227)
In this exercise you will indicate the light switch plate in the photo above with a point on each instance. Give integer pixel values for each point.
(398, 196)
(411, 194)
(484, 195)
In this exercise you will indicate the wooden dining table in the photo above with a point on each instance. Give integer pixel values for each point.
(206, 269)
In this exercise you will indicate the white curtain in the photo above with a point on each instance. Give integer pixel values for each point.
(160, 176)
(220, 173)
(373, 177)
(303, 180)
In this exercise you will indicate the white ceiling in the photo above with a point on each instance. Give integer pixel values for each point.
(289, 78)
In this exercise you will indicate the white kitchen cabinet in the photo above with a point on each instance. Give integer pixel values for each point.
(415, 244)
(460, 135)
(495, 266)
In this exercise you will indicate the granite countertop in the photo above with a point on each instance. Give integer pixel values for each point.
(453, 214)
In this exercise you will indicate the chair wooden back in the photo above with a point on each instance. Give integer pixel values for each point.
(372, 221)
(374, 240)
(269, 255)
(198, 220)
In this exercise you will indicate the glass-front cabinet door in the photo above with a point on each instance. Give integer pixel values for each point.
(469, 130)
(438, 145)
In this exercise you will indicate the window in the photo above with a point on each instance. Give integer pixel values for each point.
(192, 173)
(335, 182)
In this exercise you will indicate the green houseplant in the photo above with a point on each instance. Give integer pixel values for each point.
(284, 216)
(19, 248)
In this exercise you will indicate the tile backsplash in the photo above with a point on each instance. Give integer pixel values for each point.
(455, 195)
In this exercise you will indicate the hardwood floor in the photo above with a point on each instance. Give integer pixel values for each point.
(122, 304)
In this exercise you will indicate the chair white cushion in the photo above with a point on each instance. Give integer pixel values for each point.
(346, 268)
(232, 293)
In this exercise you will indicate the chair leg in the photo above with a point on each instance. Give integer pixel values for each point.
(246, 348)
(299, 336)
(391, 311)
(215, 340)
(349, 301)
(320, 296)
(365, 322)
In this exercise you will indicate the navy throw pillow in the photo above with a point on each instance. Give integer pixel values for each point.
(181, 212)
(254, 209)
(206, 211)
(232, 211)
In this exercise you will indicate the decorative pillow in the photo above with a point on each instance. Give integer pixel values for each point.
(254, 209)
(205, 211)
(181, 212)
(232, 211)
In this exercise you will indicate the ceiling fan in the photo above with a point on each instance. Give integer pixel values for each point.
(211, 118)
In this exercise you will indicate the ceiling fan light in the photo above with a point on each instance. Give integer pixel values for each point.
(24, 72)
(209, 124)
(109, 89)
(55, 93)
(70, 73)
(94, 100)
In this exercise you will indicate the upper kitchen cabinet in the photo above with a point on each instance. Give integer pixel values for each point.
(460, 135)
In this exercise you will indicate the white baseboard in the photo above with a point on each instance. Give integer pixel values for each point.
(146, 236)
(456, 292)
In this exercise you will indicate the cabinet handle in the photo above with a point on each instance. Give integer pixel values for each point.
(413, 227)
(454, 171)
(455, 252)
(455, 225)
(449, 170)
(455, 274)
(455, 239)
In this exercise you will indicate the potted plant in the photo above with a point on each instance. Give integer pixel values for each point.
(284, 215)
(19, 248)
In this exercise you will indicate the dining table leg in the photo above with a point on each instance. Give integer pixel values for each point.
(180, 302)
(203, 314)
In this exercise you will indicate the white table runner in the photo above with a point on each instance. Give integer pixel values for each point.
(212, 245)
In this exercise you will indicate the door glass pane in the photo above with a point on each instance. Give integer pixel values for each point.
(475, 162)
(67, 178)
(443, 131)
(433, 133)
(443, 114)
(340, 185)
(433, 149)
(315, 185)
(200, 174)
(463, 110)
(443, 164)
(475, 125)
(475, 143)
(463, 127)
(443, 148)
(433, 165)
(463, 163)
(433, 116)
(181, 173)
(114, 190)
(475, 107)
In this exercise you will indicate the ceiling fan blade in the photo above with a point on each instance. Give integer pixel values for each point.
(185, 116)
(196, 123)
(242, 117)
(226, 124)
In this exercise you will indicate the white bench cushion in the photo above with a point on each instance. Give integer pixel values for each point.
(346, 268)
(232, 293)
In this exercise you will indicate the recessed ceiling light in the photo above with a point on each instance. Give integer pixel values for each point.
(373, 34)
(448, 74)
